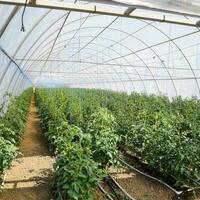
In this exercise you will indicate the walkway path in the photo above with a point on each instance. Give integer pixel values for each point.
(30, 175)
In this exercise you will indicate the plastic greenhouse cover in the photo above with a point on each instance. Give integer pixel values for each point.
(72, 49)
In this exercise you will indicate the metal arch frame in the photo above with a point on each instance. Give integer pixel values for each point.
(47, 37)
(102, 30)
(137, 73)
(8, 20)
(33, 27)
(165, 67)
(59, 31)
(151, 50)
(104, 54)
(52, 34)
(145, 44)
(52, 24)
(41, 43)
(113, 68)
(78, 19)
(144, 64)
(115, 41)
(105, 78)
(118, 54)
(179, 50)
(85, 19)
(11, 61)
(119, 41)
(129, 50)
(94, 80)
(20, 45)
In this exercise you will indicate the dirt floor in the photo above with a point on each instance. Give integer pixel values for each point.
(140, 187)
(30, 176)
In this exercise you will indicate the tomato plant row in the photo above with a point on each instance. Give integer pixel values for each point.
(82, 155)
(162, 133)
(11, 127)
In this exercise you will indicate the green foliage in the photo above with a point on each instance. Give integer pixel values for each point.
(8, 152)
(7, 133)
(76, 174)
(175, 155)
(164, 133)
(11, 127)
(104, 140)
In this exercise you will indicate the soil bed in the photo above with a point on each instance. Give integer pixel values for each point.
(155, 186)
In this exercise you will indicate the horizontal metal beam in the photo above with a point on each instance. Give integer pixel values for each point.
(103, 10)
(136, 80)
(172, 7)
(100, 64)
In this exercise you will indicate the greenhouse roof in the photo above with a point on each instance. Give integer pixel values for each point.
(125, 45)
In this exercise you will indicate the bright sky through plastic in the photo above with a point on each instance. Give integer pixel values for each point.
(107, 52)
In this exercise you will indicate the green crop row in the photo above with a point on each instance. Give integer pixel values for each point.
(11, 127)
(82, 156)
(163, 133)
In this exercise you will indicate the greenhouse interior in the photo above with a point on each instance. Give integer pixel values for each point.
(100, 99)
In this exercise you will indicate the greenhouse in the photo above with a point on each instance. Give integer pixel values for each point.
(99, 99)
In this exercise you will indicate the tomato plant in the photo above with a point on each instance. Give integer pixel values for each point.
(11, 127)
(162, 132)
(104, 140)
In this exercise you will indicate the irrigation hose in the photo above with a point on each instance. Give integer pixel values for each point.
(151, 177)
(116, 183)
(105, 193)
(113, 188)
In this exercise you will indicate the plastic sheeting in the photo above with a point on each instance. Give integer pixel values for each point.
(71, 49)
